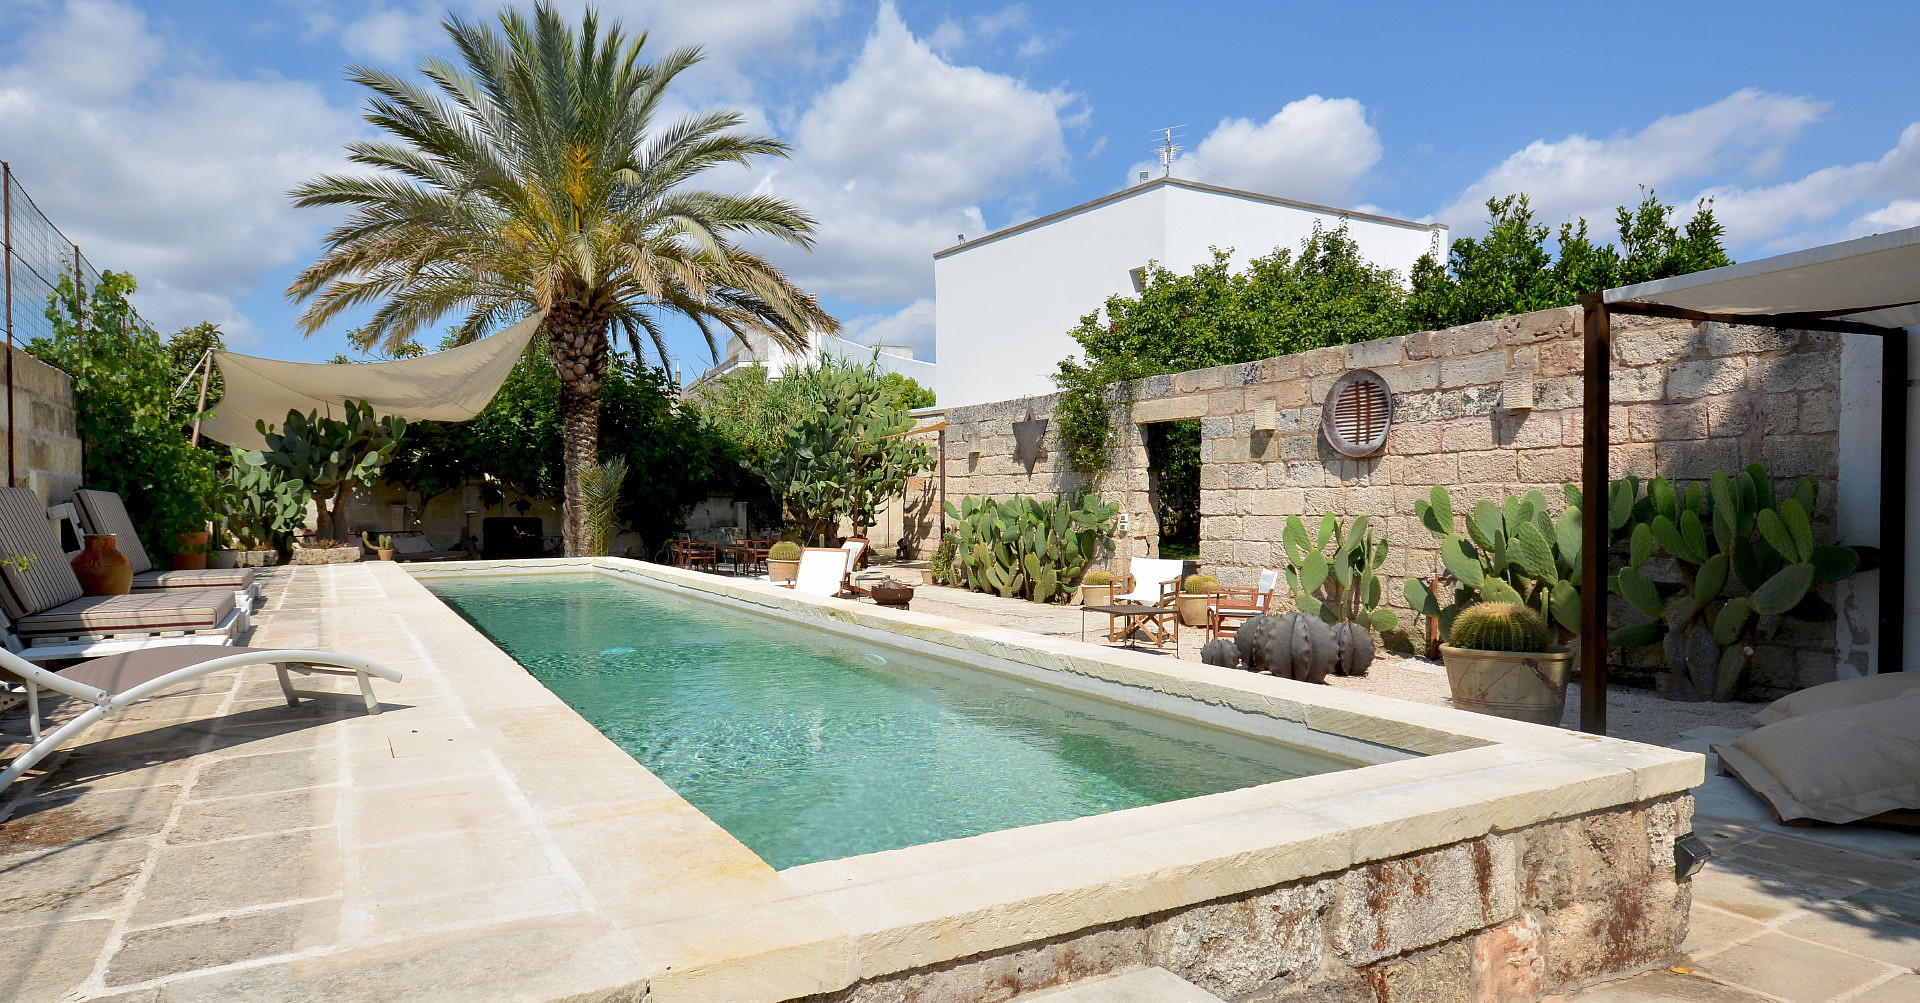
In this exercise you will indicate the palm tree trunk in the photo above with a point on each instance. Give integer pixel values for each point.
(577, 343)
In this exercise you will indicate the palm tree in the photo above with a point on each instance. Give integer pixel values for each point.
(531, 177)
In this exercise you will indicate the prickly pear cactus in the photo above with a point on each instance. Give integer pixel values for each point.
(1221, 651)
(1353, 645)
(1293, 645)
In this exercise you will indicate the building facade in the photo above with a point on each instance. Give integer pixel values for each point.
(1004, 304)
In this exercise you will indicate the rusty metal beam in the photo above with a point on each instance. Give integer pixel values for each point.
(1798, 321)
(1596, 405)
(1890, 653)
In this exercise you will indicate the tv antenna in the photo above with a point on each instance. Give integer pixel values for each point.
(1168, 149)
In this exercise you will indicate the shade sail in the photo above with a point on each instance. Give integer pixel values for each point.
(1870, 280)
(453, 385)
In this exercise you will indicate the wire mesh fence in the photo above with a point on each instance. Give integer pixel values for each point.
(37, 257)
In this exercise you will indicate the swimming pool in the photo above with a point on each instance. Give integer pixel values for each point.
(808, 745)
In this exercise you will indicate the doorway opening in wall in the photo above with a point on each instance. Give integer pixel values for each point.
(1173, 484)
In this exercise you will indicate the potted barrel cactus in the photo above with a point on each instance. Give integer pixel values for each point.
(1195, 593)
(1498, 663)
(1096, 589)
(783, 562)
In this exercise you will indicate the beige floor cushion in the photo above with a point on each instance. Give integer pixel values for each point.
(1843, 693)
(1834, 766)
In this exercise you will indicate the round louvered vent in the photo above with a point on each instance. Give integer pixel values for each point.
(1357, 414)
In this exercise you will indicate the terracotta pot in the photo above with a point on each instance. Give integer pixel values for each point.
(1193, 608)
(102, 569)
(192, 555)
(1521, 685)
(383, 553)
(782, 571)
(1096, 595)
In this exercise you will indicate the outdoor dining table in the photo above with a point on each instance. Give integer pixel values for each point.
(1157, 616)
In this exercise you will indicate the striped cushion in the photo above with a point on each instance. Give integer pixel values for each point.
(171, 609)
(104, 512)
(211, 578)
(25, 532)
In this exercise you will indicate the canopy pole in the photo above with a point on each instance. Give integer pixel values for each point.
(1891, 651)
(1596, 403)
(200, 409)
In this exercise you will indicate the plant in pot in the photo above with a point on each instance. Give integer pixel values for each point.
(1195, 593)
(1498, 663)
(1096, 589)
(382, 546)
(783, 562)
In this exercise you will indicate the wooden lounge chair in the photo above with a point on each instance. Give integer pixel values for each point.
(823, 572)
(1232, 606)
(1150, 581)
(117, 681)
(104, 512)
(44, 602)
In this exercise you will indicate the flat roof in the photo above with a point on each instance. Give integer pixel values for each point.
(1873, 280)
(1197, 186)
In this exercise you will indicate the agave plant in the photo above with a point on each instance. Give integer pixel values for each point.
(1730, 533)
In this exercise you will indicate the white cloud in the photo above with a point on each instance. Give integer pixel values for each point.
(1012, 24)
(1803, 211)
(1314, 149)
(910, 326)
(1744, 132)
(896, 158)
(178, 177)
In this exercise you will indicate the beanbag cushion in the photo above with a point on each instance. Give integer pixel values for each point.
(1843, 693)
(1834, 766)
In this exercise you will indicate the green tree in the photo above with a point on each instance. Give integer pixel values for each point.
(129, 421)
(1325, 294)
(537, 178)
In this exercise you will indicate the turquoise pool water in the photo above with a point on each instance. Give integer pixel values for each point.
(810, 746)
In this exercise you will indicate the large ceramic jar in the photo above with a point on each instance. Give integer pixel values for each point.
(102, 569)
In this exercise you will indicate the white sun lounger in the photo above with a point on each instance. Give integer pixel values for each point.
(117, 681)
(823, 571)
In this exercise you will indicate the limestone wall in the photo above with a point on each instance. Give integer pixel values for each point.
(1690, 398)
(46, 443)
(1509, 916)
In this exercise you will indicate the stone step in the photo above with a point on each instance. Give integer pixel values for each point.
(1142, 985)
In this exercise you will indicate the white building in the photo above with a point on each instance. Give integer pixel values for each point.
(760, 350)
(1004, 303)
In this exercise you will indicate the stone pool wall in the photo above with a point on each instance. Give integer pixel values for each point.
(1689, 398)
(1508, 916)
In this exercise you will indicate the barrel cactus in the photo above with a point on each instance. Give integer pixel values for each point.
(1293, 645)
(1499, 626)
(1221, 651)
(1354, 644)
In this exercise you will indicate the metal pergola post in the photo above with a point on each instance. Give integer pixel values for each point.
(1595, 531)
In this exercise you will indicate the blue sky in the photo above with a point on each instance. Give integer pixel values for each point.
(163, 135)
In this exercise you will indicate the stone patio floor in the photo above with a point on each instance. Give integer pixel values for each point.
(205, 846)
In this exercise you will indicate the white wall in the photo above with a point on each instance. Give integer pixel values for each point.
(1003, 306)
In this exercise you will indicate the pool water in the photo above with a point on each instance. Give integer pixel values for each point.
(806, 745)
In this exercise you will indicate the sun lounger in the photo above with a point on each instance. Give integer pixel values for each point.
(41, 597)
(104, 512)
(117, 681)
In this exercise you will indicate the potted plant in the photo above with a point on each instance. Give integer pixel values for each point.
(783, 562)
(1195, 593)
(227, 555)
(382, 546)
(1498, 663)
(1096, 589)
(192, 552)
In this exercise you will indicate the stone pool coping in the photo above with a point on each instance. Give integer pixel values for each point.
(706, 918)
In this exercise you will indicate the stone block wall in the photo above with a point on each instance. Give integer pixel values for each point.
(46, 441)
(1506, 916)
(1689, 398)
